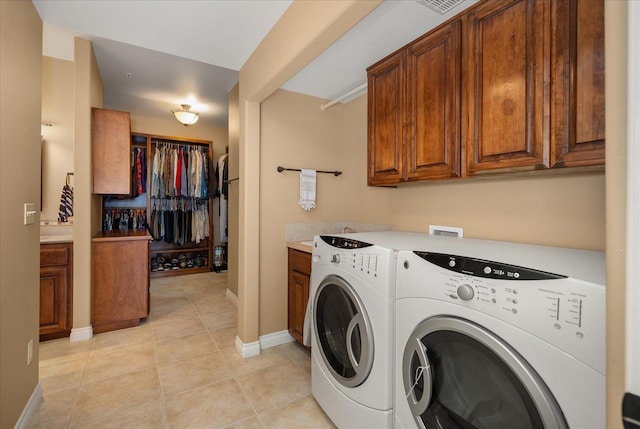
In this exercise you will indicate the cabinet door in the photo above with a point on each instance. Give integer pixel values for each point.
(433, 99)
(111, 153)
(504, 87)
(298, 297)
(386, 115)
(55, 302)
(120, 293)
(298, 291)
(577, 83)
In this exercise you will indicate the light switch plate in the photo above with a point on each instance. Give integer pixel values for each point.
(29, 213)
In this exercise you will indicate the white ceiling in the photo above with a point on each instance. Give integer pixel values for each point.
(155, 55)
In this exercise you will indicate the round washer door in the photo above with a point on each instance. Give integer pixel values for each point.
(457, 374)
(343, 332)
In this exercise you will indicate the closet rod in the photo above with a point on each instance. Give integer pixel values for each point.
(335, 173)
(352, 93)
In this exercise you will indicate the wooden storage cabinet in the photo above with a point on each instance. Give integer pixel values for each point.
(120, 292)
(577, 83)
(414, 111)
(386, 107)
(504, 88)
(110, 151)
(433, 97)
(56, 290)
(298, 291)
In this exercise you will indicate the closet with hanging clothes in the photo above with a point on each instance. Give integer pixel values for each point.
(222, 194)
(172, 187)
(179, 205)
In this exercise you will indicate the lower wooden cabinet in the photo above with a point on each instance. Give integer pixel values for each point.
(299, 281)
(56, 290)
(120, 293)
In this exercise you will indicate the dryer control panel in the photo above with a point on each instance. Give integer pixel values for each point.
(567, 312)
(482, 268)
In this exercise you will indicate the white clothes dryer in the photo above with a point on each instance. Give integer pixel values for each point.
(493, 335)
(351, 303)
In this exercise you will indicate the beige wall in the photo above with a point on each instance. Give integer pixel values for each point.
(303, 32)
(170, 127)
(57, 149)
(234, 141)
(295, 133)
(560, 210)
(87, 94)
(616, 135)
(20, 101)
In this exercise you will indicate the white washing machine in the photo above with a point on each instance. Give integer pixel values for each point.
(351, 303)
(493, 335)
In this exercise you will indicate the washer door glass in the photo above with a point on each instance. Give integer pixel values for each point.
(343, 332)
(459, 375)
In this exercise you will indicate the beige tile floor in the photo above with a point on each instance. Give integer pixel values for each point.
(179, 369)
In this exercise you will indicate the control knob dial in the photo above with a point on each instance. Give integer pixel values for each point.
(465, 292)
(335, 258)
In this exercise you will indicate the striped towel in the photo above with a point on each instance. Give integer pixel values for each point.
(307, 189)
(66, 204)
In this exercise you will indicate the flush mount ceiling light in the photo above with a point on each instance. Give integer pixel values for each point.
(184, 116)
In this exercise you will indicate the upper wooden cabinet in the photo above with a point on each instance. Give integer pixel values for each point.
(110, 151)
(386, 119)
(504, 86)
(577, 83)
(433, 98)
(414, 110)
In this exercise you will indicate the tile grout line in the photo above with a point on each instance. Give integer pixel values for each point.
(84, 372)
(165, 423)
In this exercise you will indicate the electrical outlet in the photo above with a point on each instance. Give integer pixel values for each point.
(30, 351)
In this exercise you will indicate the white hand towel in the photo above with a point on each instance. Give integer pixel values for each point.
(307, 189)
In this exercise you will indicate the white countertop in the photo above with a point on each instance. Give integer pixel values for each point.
(303, 246)
(51, 239)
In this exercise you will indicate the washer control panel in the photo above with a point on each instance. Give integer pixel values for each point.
(344, 243)
(360, 263)
(365, 262)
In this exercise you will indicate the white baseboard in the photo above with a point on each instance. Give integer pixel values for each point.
(247, 350)
(264, 342)
(275, 339)
(232, 296)
(24, 421)
(81, 334)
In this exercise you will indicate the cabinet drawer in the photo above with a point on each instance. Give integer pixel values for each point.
(54, 254)
(300, 261)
